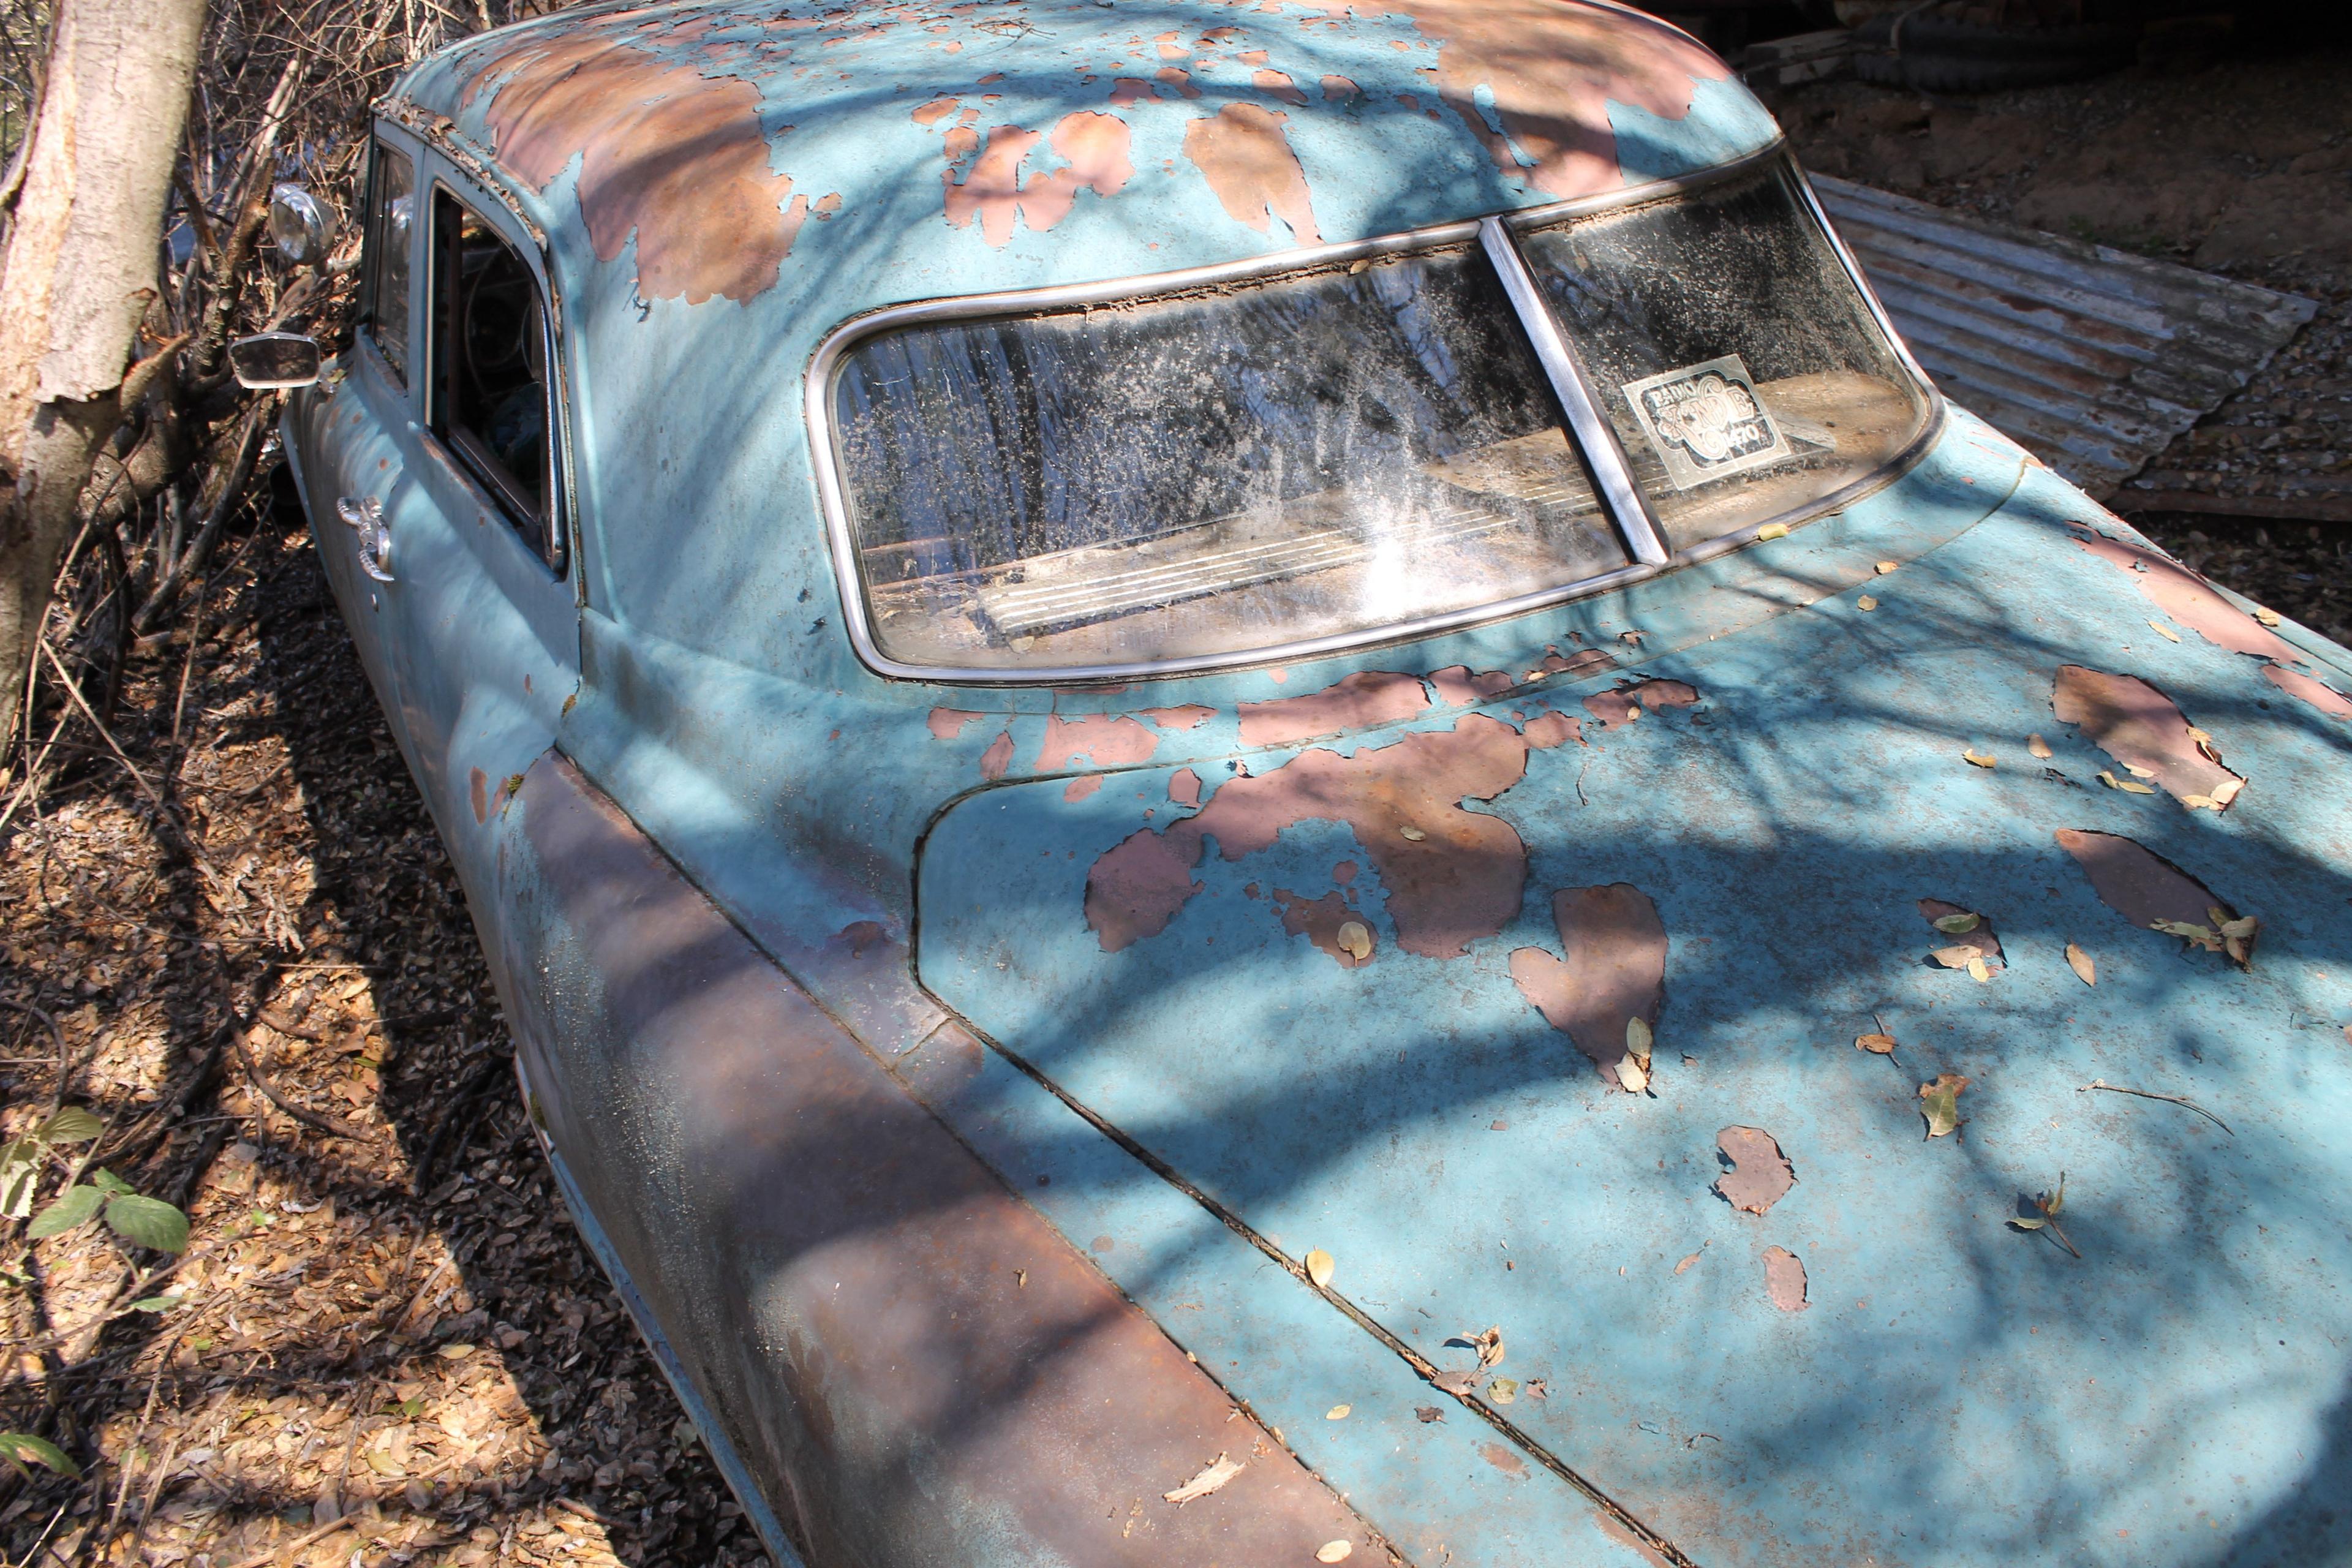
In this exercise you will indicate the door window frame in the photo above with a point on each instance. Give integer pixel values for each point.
(386, 136)
(553, 547)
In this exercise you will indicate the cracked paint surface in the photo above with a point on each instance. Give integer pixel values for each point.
(1452, 876)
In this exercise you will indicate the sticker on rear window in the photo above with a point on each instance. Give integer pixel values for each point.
(1705, 421)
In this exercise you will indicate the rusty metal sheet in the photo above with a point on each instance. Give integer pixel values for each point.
(2091, 359)
(916, 1366)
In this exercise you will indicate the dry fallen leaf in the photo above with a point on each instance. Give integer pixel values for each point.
(1773, 531)
(1355, 939)
(1638, 1040)
(1503, 1390)
(1884, 568)
(1488, 1345)
(1960, 924)
(2129, 787)
(2225, 792)
(2165, 632)
(2039, 747)
(2269, 617)
(1629, 1074)
(1413, 835)
(1333, 1552)
(1976, 758)
(1939, 1103)
(1878, 1045)
(1865, 603)
(1686, 1262)
(1955, 957)
(1428, 1414)
(1338, 1413)
(1320, 1267)
(1215, 1474)
(1978, 971)
(2080, 963)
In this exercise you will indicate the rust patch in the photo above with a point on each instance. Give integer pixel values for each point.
(1274, 84)
(1364, 701)
(1552, 70)
(1134, 890)
(997, 758)
(1246, 158)
(1784, 1279)
(2191, 599)
(1980, 937)
(1761, 1174)
(1184, 788)
(1078, 788)
(1344, 872)
(1584, 661)
(1337, 88)
(1321, 921)
(1191, 715)
(675, 157)
(1095, 153)
(938, 108)
(1106, 739)
(2304, 689)
(2139, 883)
(1457, 688)
(1615, 971)
(479, 793)
(1452, 876)
(1617, 709)
(1546, 731)
(1127, 89)
(946, 723)
(1505, 1460)
(1180, 80)
(2141, 727)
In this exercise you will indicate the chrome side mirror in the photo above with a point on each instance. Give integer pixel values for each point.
(272, 361)
(302, 227)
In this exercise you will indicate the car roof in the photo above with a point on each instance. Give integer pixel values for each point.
(739, 145)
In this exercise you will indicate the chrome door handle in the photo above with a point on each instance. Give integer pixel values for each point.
(364, 514)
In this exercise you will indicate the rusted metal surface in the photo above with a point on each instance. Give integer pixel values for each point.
(2091, 359)
(917, 1366)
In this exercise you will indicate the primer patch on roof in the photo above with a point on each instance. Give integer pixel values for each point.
(2190, 599)
(1095, 153)
(1245, 156)
(2137, 882)
(1533, 80)
(2304, 689)
(676, 158)
(1363, 701)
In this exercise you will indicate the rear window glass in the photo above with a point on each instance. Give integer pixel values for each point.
(1326, 453)
(1742, 369)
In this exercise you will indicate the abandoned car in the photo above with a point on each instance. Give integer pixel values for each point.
(1254, 783)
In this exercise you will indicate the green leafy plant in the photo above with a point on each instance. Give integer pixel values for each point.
(22, 1160)
(22, 1448)
(140, 1221)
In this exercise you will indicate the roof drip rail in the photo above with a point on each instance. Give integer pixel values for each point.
(1612, 473)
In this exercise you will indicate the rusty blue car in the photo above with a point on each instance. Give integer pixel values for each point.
(1254, 781)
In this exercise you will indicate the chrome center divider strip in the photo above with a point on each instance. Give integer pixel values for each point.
(1612, 473)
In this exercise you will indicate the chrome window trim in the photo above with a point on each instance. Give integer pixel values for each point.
(825, 454)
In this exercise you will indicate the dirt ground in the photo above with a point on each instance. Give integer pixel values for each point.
(387, 1325)
(2243, 168)
(388, 1345)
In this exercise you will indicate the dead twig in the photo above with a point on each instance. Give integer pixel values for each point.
(2181, 1101)
(315, 1120)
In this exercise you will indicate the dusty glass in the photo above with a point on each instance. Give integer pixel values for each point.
(391, 198)
(1328, 452)
(1742, 369)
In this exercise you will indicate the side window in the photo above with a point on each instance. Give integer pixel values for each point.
(489, 400)
(391, 197)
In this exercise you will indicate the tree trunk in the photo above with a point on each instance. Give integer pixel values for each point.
(79, 275)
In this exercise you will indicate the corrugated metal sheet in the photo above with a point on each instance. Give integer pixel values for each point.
(2091, 359)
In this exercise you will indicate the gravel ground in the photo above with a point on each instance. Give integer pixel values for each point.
(391, 1343)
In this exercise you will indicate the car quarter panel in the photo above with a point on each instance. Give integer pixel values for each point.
(929, 1368)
